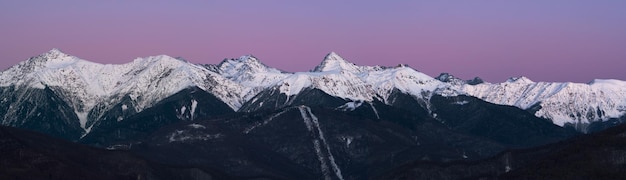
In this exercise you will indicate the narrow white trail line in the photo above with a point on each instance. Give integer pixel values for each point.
(330, 155)
(259, 124)
(320, 157)
(194, 105)
(307, 120)
(375, 111)
(311, 121)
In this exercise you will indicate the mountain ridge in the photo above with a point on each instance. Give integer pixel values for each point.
(87, 85)
(248, 119)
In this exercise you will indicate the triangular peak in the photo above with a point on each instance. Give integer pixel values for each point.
(334, 62)
(53, 58)
(333, 56)
(54, 53)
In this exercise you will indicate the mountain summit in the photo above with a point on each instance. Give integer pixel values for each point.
(521, 79)
(334, 62)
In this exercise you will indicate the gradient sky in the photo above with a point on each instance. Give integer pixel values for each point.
(555, 40)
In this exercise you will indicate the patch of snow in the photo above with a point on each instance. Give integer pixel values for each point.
(82, 117)
(305, 117)
(350, 106)
(375, 111)
(294, 84)
(258, 124)
(320, 157)
(194, 105)
(507, 165)
(183, 136)
(314, 123)
(86, 132)
(461, 102)
(197, 126)
(183, 110)
(348, 140)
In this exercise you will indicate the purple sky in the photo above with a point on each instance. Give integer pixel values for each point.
(556, 40)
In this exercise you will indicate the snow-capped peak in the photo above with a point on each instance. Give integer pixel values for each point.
(56, 52)
(449, 78)
(334, 62)
(563, 103)
(250, 73)
(244, 64)
(165, 59)
(52, 54)
(521, 79)
(54, 58)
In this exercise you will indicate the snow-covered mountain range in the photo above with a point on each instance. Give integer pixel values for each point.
(92, 89)
(563, 103)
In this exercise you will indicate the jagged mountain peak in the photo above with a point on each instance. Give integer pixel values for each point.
(244, 64)
(245, 60)
(248, 58)
(333, 56)
(242, 59)
(50, 60)
(520, 79)
(334, 62)
(53, 58)
(475, 81)
(449, 78)
(55, 51)
(402, 66)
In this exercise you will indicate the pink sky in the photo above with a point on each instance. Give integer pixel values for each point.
(558, 40)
